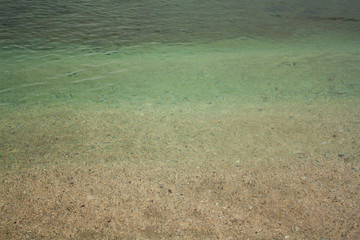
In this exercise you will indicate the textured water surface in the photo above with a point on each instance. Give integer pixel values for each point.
(176, 51)
(41, 24)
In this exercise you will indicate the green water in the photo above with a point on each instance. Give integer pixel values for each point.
(226, 72)
(127, 54)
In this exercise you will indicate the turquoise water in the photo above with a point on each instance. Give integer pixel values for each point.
(57, 53)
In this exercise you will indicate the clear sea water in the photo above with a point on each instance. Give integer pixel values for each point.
(179, 119)
(65, 53)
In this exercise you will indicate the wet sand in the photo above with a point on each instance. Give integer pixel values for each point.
(205, 171)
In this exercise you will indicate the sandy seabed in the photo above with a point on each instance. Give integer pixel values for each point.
(206, 172)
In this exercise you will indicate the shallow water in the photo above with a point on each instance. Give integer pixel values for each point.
(179, 119)
(117, 52)
(39, 25)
